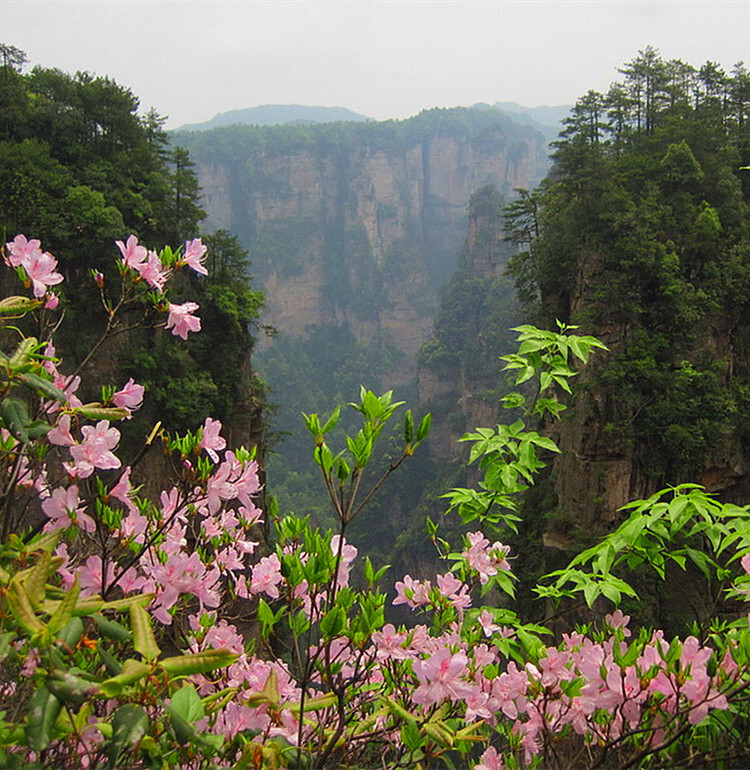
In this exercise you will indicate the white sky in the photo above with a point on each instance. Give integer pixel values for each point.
(383, 58)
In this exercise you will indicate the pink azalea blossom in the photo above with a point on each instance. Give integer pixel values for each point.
(390, 643)
(152, 271)
(63, 508)
(267, 576)
(441, 677)
(487, 621)
(52, 301)
(456, 592)
(487, 559)
(251, 514)
(490, 760)
(130, 396)
(413, 593)
(41, 271)
(60, 434)
(96, 449)
(181, 574)
(21, 250)
(91, 578)
(348, 554)
(194, 256)
(67, 576)
(211, 441)
(132, 254)
(181, 321)
(223, 635)
(131, 581)
(134, 526)
(123, 490)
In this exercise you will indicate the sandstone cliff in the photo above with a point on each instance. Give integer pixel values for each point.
(359, 225)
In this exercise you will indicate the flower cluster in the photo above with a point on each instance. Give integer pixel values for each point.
(325, 677)
(39, 266)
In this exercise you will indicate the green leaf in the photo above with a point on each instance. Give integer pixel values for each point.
(15, 416)
(71, 632)
(144, 640)
(17, 305)
(333, 623)
(127, 602)
(23, 612)
(40, 385)
(408, 427)
(185, 708)
(44, 708)
(64, 612)
(112, 629)
(22, 352)
(411, 737)
(332, 421)
(397, 710)
(198, 662)
(424, 428)
(132, 671)
(71, 688)
(129, 725)
(98, 412)
(318, 703)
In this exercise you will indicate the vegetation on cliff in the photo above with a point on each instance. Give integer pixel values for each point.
(641, 234)
(79, 164)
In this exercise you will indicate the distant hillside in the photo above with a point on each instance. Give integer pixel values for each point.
(547, 119)
(276, 115)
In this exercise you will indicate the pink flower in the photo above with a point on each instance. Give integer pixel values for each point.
(52, 301)
(60, 435)
(486, 559)
(490, 760)
(194, 256)
(211, 441)
(91, 577)
(131, 395)
(41, 271)
(96, 449)
(152, 271)
(123, 489)
(62, 507)
(456, 592)
(390, 643)
(181, 320)
(348, 554)
(412, 592)
(487, 621)
(181, 574)
(440, 677)
(223, 635)
(132, 254)
(267, 576)
(21, 250)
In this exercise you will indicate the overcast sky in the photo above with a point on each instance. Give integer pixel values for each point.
(383, 58)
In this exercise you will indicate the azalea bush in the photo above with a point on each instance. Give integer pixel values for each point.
(168, 631)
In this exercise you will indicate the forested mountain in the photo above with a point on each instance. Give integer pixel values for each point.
(81, 168)
(353, 231)
(640, 235)
(277, 115)
(547, 119)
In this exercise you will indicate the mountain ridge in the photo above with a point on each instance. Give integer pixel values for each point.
(277, 114)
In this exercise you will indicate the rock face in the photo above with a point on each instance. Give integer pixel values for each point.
(359, 225)
(458, 376)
